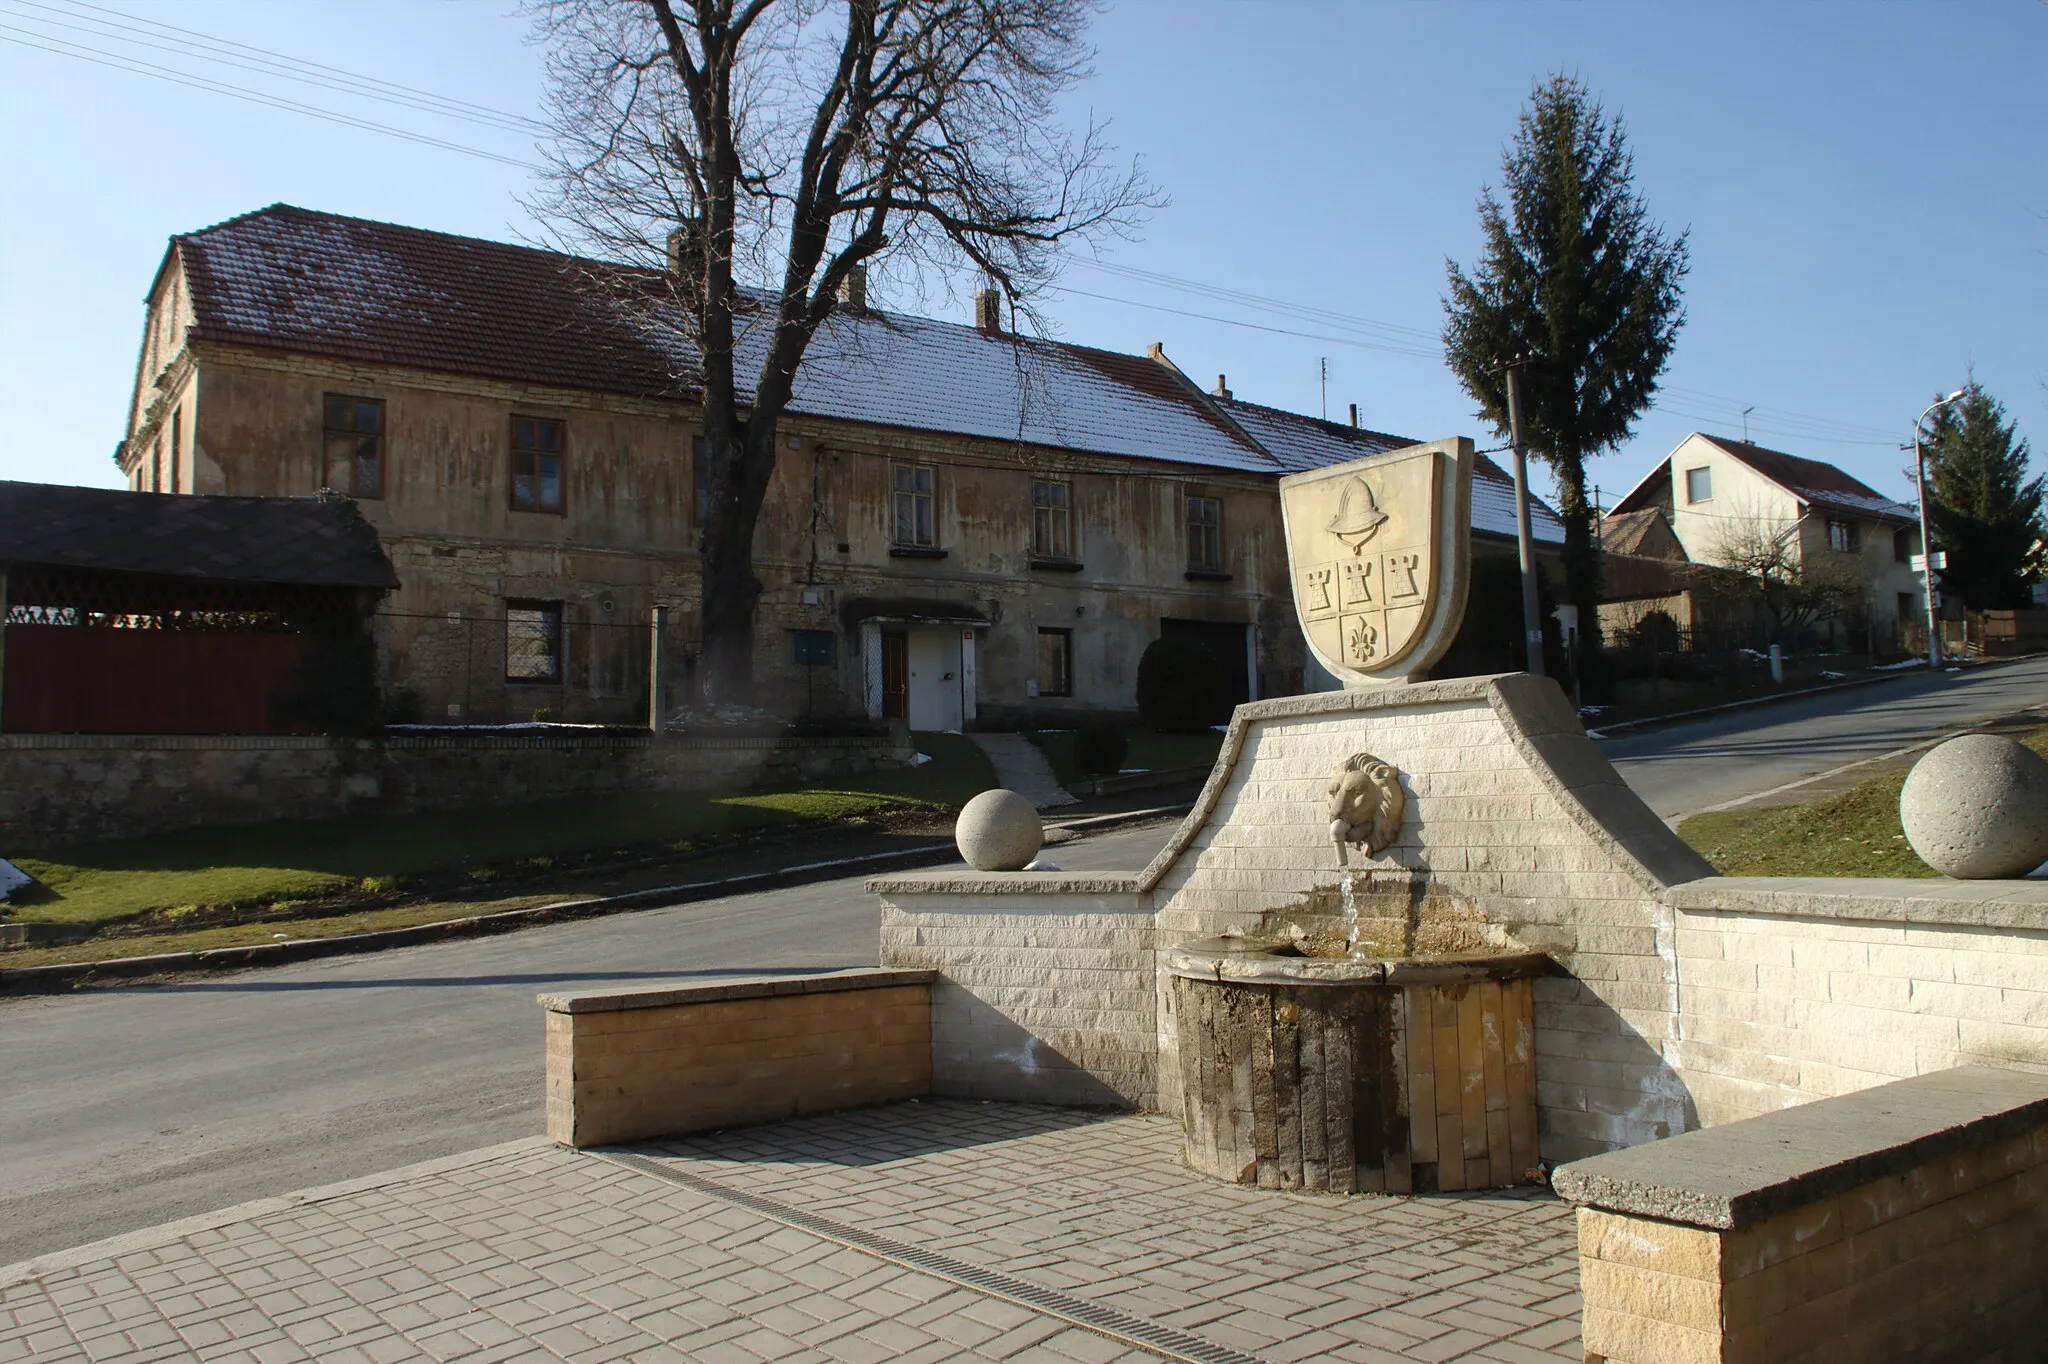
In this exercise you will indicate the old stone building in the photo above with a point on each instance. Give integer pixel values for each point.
(964, 527)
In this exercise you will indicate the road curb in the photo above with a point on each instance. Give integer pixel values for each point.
(1621, 727)
(63, 975)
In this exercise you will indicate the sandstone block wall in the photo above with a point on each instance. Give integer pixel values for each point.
(1798, 990)
(1930, 1253)
(1044, 989)
(633, 1065)
(71, 788)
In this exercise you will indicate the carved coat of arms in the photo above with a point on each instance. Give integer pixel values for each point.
(1378, 548)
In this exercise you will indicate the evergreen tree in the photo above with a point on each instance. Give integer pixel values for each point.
(1986, 512)
(1578, 283)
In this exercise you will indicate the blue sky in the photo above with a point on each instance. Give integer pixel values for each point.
(1865, 186)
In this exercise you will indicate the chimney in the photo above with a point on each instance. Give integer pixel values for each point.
(1157, 350)
(1354, 416)
(680, 248)
(853, 290)
(1222, 389)
(988, 312)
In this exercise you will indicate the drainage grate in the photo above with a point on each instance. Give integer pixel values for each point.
(1106, 1321)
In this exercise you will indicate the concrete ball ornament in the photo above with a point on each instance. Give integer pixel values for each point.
(1366, 803)
(1976, 808)
(998, 831)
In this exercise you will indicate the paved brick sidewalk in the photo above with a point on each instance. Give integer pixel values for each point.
(530, 1252)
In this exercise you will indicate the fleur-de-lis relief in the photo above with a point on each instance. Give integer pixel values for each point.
(1363, 640)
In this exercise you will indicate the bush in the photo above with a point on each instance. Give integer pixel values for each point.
(1099, 751)
(1181, 686)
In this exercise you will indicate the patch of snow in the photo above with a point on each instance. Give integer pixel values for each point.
(1040, 864)
(494, 729)
(12, 878)
(1829, 673)
(920, 759)
(1131, 771)
(1896, 667)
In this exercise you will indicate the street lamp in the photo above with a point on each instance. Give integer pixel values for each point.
(1926, 542)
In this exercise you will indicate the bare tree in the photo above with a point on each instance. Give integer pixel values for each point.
(751, 155)
(1764, 562)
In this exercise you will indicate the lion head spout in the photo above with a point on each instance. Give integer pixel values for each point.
(1366, 803)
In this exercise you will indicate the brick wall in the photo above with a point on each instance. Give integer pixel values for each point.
(69, 788)
(631, 1065)
(1045, 983)
(1794, 990)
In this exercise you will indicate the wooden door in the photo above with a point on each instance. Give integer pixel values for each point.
(895, 675)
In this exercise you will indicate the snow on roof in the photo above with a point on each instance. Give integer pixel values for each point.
(289, 278)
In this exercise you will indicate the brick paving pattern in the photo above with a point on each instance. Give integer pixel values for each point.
(532, 1252)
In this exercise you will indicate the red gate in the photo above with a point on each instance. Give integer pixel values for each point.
(75, 679)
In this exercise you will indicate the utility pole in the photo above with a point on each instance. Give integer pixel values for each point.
(1926, 542)
(1532, 622)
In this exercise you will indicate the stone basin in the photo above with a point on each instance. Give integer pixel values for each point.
(1385, 1074)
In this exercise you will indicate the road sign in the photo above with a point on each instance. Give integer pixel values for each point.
(1920, 564)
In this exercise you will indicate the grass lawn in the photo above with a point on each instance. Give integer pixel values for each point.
(106, 883)
(1150, 751)
(1852, 833)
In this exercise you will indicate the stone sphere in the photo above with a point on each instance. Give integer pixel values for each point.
(1976, 807)
(998, 831)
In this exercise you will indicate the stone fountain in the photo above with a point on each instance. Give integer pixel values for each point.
(1367, 1039)
(1391, 908)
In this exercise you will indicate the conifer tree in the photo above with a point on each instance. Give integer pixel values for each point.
(1986, 512)
(1578, 283)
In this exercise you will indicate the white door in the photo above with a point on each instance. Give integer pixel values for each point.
(934, 699)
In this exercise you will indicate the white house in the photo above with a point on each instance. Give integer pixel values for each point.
(1717, 493)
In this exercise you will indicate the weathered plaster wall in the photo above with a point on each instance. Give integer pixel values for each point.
(63, 788)
(627, 541)
(1793, 990)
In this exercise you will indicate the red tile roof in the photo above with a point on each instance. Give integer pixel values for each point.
(1821, 484)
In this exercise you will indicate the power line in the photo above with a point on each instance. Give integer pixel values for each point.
(207, 47)
(99, 57)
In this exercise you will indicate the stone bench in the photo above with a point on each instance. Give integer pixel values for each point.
(628, 1065)
(1904, 1222)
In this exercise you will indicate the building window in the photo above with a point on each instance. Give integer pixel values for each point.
(1842, 536)
(815, 646)
(354, 441)
(536, 464)
(1699, 485)
(1205, 535)
(1052, 526)
(177, 439)
(1055, 662)
(1906, 611)
(913, 506)
(533, 641)
(1902, 545)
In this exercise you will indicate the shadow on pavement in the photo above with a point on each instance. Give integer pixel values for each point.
(536, 978)
(880, 1135)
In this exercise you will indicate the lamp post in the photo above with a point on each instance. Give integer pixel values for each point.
(1926, 542)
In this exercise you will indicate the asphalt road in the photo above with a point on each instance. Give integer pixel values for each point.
(1683, 769)
(123, 1108)
(120, 1109)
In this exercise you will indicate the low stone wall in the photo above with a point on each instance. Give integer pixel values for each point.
(71, 788)
(1798, 989)
(634, 1064)
(1044, 991)
(1901, 1223)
